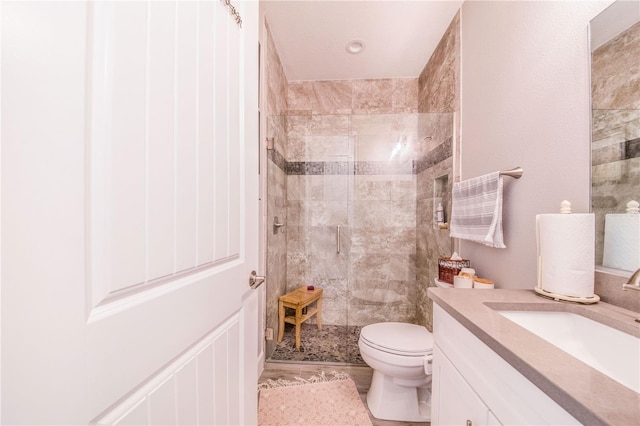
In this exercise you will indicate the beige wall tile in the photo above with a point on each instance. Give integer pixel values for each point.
(372, 96)
(615, 72)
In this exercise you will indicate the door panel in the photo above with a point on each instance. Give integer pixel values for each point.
(141, 185)
(206, 78)
(118, 126)
(138, 154)
(186, 206)
(161, 142)
(197, 388)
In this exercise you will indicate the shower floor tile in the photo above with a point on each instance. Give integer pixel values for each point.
(334, 343)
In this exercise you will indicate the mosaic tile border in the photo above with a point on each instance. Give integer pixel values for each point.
(632, 149)
(435, 156)
(350, 168)
(277, 158)
(626, 150)
(408, 167)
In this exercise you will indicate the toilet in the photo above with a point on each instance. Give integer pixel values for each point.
(400, 355)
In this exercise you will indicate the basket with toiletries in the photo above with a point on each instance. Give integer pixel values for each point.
(450, 267)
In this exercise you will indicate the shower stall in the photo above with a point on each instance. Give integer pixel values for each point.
(346, 199)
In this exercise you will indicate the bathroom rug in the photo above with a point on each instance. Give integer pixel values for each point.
(319, 400)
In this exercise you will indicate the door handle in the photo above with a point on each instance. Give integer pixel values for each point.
(255, 280)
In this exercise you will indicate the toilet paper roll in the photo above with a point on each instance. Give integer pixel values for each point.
(622, 241)
(566, 251)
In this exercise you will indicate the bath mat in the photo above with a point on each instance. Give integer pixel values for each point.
(320, 400)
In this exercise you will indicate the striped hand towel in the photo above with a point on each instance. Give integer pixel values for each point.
(477, 210)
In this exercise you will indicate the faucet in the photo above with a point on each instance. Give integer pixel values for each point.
(634, 282)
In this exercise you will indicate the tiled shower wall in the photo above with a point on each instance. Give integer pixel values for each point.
(439, 96)
(275, 107)
(615, 176)
(352, 147)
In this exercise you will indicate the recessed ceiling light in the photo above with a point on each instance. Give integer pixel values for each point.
(355, 46)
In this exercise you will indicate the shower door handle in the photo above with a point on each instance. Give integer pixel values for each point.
(338, 239)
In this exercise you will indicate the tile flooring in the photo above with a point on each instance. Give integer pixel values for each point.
(361, 375)
(334, 343)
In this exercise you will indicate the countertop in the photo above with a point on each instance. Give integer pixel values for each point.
(588, 395)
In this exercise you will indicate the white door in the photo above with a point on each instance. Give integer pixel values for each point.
(129, 212)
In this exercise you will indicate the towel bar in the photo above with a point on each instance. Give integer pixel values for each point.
(514, 173)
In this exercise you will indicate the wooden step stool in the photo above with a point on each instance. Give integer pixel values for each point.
(298, 300)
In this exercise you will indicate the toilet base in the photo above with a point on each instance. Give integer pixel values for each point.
(389, 401)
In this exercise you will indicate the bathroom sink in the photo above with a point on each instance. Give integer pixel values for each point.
(610, 351)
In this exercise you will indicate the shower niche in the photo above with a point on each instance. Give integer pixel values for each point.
(441, 197)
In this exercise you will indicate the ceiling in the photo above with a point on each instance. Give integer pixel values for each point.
(399, 36)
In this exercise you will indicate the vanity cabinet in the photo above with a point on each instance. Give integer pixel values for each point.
(471, 383)
(456, 403)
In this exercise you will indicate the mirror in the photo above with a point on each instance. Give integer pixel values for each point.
(615, 133)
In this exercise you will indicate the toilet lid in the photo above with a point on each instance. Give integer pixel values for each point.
(399, 338)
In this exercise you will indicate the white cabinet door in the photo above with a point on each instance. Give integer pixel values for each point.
(129, 212)
(510, 396)
(454, 401)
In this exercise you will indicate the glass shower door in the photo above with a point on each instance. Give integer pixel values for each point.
(319, 171)
(328, 251)
(320, 180)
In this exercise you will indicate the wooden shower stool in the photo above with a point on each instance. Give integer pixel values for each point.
(298, 300)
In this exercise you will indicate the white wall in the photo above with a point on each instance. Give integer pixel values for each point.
(525, 102)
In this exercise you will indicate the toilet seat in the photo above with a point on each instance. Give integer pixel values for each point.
(398, 338)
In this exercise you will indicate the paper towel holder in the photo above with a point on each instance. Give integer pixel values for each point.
(565, 210)
(586, 300)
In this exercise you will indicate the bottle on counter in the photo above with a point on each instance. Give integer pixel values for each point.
(440, 214)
